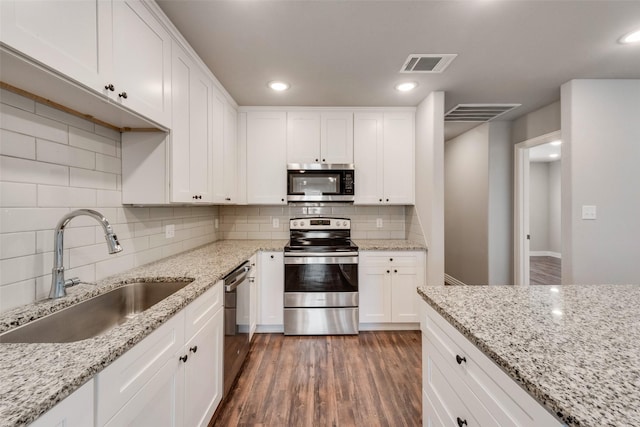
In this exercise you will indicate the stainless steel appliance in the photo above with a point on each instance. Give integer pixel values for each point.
(236, 326)
(320, 182)
(321, 278)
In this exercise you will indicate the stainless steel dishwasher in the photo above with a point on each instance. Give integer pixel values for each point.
(236, 325)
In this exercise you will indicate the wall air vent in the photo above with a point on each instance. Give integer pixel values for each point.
(477, 112)
(427, 63)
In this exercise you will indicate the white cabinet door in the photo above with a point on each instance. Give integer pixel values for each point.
(203, 372)
(141, 61)
(76, 410)
(404, 295)
(191, 143)
(71, 37)
(230, 168)
(303, 137)
(336, 145)
(266, 158)
(399, 158)
(271, 289)
(374, 293)
(368, 158)
(218, 147)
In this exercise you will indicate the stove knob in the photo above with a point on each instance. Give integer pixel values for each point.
(344, 223)
(301, 223)
(295, 223)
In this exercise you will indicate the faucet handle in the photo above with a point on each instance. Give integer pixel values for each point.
(72, 282)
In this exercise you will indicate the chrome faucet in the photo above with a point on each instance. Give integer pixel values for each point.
(58, 283)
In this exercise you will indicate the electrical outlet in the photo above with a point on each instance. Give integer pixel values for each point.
(216, 223)
(275, 222)
(379, 222)
(588, 212)
(169, 231)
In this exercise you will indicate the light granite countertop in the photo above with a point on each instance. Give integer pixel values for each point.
(389, 245)
(575, 349)
(34, 377)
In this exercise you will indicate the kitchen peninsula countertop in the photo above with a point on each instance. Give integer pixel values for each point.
(575, 349)
(35, 377)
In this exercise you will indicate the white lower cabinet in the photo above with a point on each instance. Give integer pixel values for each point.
(171, 378)
(462, 386)
(271, 292)
(74, 411)
(387, 283)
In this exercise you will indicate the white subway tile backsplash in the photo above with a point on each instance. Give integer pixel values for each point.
(18, 101)
(18, 195)
(62, 116)
(92, 142)
(62, 154)
(54, 197)
(29, 171)
(25, 267)
(108, 164)
(92, 179)
(17, 294)
(14, 220)
(17, 244)
(28, 123)
(52, 163)
(17, 145)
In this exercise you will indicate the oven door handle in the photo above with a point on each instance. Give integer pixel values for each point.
(321, 254)
(324, 259)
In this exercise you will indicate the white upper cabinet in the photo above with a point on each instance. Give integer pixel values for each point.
(191, 141)
(384, 147)
(336, 137)
(70, 37)
(116, 48)
(266, 157)
(141, 61)
(315, 137)
(225, 182)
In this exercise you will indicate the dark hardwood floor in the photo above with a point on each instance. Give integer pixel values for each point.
(372, 379)
(544, 270)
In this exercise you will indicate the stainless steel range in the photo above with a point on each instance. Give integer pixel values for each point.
(321, 278)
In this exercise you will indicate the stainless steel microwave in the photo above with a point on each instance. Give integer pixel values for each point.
(320, 182)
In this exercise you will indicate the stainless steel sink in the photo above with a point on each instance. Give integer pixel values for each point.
(94, 316)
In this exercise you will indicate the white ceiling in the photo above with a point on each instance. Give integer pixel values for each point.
(349, 52)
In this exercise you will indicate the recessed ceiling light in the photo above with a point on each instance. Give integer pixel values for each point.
(406, 87)
(633, 37)
(558, 142)
(278, 86)
(554, 155)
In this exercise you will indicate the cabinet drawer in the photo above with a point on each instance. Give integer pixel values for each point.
(202, 309)
(127, 375)
(450, 395)
(504, 399)
(389, 259)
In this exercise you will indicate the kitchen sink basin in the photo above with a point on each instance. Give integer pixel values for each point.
(90, 318)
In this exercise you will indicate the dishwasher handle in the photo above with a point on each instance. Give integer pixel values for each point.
(237, 277)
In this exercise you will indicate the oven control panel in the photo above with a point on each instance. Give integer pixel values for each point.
(319, 224)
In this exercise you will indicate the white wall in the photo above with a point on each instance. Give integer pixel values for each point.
(540, 122)
(466, 206)
(52, 163)
(500, 204)
(600, 158)
(539, 206)
(429, 207)
(479, 205)
(555, 207)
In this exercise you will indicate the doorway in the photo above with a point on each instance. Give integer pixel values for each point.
(537, 241)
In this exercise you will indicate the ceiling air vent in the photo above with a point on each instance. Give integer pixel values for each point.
(427, 63)
(477, 112)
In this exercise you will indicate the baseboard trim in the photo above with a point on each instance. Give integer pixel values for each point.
(545, 253)
(452, 280)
